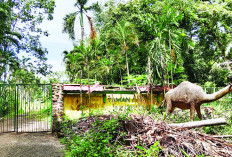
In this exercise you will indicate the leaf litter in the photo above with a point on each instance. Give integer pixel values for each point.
(145, 131)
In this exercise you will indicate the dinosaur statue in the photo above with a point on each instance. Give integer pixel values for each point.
(190, 96)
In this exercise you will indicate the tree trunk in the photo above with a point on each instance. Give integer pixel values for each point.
(223, 136)
(127, 67)
(150, 79)
(121, 76)
(81, 89)
(82, 28)
(89, 89)
(209, 122)
(82, 35)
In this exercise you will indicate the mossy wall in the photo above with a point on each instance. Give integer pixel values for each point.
(73, 107)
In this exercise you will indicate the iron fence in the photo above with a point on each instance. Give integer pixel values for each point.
(25, 107)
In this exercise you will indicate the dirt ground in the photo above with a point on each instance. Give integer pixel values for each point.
(30, 145)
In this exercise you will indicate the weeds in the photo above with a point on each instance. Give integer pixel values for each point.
(152, 151)
(100, 140)
(103, 137)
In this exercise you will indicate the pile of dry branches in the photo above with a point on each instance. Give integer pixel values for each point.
(174, 141)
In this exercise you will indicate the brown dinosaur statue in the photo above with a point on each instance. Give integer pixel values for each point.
(190, 96)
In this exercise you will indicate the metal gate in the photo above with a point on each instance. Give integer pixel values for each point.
(25, 107)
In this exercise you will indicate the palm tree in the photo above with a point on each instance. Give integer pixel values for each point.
(124, 34)
(74, 61)
(70, 19)
(80, 57)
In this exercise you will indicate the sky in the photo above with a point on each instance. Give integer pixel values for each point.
(57, 42)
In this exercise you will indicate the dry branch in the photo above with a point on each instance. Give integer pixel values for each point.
(209, 122)
(223, 136)
(145, 131)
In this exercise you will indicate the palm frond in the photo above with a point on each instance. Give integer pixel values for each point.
(18, 35)
(80, 3)
(12, 40)
(93, 32)
(96, 7)
(68, 25)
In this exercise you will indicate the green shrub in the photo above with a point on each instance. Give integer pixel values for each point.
(152, 151)
(99, 141)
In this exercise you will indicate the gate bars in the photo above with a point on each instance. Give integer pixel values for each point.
(25, 107)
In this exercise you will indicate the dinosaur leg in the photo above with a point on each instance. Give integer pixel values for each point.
(169, 109)
(192, 111)
(198, 109)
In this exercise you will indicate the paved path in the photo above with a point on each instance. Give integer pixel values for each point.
(30, 145)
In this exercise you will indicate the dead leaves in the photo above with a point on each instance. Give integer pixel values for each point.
(144, 131)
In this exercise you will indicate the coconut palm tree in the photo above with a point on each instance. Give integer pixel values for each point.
(74, 61)
(70, 19)
(80, 57)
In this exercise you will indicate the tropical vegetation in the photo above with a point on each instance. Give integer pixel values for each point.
(164, 41)
(22, 56)
(131, 43)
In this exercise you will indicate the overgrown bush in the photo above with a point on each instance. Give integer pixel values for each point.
(100, 140)
(109, 136)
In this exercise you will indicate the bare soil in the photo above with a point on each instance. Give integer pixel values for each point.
(30, 145)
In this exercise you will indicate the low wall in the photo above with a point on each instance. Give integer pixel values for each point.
(70, 103)
(73, 107)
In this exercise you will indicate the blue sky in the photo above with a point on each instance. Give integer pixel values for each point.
(57, 42)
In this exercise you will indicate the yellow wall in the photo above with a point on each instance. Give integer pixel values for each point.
(72, 102)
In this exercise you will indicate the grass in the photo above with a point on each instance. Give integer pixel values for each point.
(220, 110)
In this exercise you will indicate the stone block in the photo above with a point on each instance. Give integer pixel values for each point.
(54, 100)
